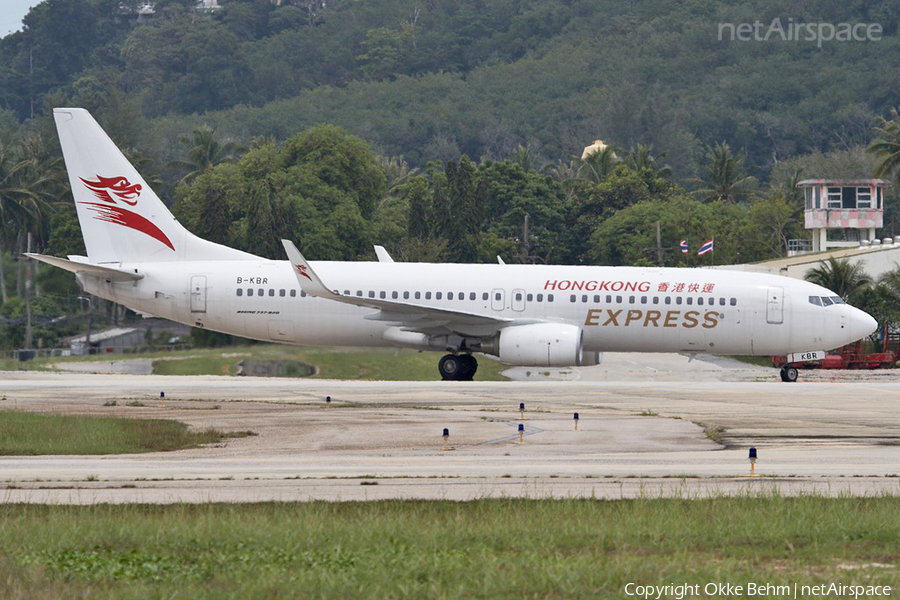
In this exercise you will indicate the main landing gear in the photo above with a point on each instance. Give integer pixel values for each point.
(789, 374)
(458, 367)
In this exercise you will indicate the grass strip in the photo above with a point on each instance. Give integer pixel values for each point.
(491, 548)
(26, 433)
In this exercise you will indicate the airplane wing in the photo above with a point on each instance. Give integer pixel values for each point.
(107, 273)
(408, 316)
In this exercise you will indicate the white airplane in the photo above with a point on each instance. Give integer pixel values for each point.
(542, 316)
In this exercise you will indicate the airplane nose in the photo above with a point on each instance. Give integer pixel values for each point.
(862, 323)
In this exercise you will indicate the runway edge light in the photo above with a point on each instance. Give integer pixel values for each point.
(752, 458)
(162, 399)
(521, 410)
(575, 418)
(446, 438)
(521, 433)
(327, 401)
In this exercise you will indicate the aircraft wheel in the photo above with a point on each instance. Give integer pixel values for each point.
(470, 366)
(789, 374)
(451, 367)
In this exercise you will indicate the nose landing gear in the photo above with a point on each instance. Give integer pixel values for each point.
(458, 367)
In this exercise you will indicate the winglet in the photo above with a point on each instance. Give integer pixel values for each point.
(306, 277)
(500, 260)
(383, 255)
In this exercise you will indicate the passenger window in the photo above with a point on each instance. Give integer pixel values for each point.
(643, 299)
(428, 295)
(281, 293)
(302, 293)
(690, 300)
(668, 299)
(721, 301)
(540, 297)
(679, 300)
(618, 299)
(472, 296)
(734, 301)
(293, 293)
(461, 296)
(549, 297)
(394, 295)
(630, 299)
(529, 297)
(249, 291)
(418, 295)
(826, 301)
(497, 296)
(359, 293)
(484, 296)
(406, 295)
(655, 299)
(260, 292)
(371, 294)
(815, 300)
(382, 295)
(584, 298)
(240, 292)
(597, 299)
(437, 295)
(449, 295)
(700, 301)
(518, 296)
(609, 299)
(572, 298)
(272, 292)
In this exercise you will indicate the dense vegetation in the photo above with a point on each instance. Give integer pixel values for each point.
(448, 131)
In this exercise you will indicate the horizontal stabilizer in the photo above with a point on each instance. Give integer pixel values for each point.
(107, 273)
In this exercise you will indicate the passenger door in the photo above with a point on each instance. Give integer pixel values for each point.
(775, 305)
(198, 294)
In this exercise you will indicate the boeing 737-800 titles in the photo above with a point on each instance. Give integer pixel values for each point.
(138, 255)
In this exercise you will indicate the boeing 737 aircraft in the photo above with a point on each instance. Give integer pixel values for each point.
(138, 255)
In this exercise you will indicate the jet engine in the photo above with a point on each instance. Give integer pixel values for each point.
(541, 345)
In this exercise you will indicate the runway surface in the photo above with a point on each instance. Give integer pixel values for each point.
(645, 428)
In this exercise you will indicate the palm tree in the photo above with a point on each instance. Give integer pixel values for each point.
(887, 147)
(891, 280)
(724, 176)
(26, 191)
(842, 277)
(641, 158)
(599, 164)
(203, 152)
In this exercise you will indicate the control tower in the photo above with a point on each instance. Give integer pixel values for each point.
(855, 206)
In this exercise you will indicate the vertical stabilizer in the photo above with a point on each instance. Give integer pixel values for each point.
(122, 219)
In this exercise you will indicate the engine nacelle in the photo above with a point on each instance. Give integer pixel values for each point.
(541, 345)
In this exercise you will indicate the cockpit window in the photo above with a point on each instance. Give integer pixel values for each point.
(837, 300)
(826, 301)
(815, 300)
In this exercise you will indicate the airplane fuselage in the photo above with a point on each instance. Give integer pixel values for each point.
(628, 309)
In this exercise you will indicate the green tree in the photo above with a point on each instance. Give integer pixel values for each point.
(203, 152)
(887, 147)
(842, 277)
(724, 177)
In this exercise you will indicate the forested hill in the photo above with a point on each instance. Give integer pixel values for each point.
(433, 79)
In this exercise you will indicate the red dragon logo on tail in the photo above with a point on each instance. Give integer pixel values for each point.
(104, 188)
(119, 186)
(302, 270)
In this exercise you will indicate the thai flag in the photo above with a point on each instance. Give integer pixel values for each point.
(684, 246)
(707, 247)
